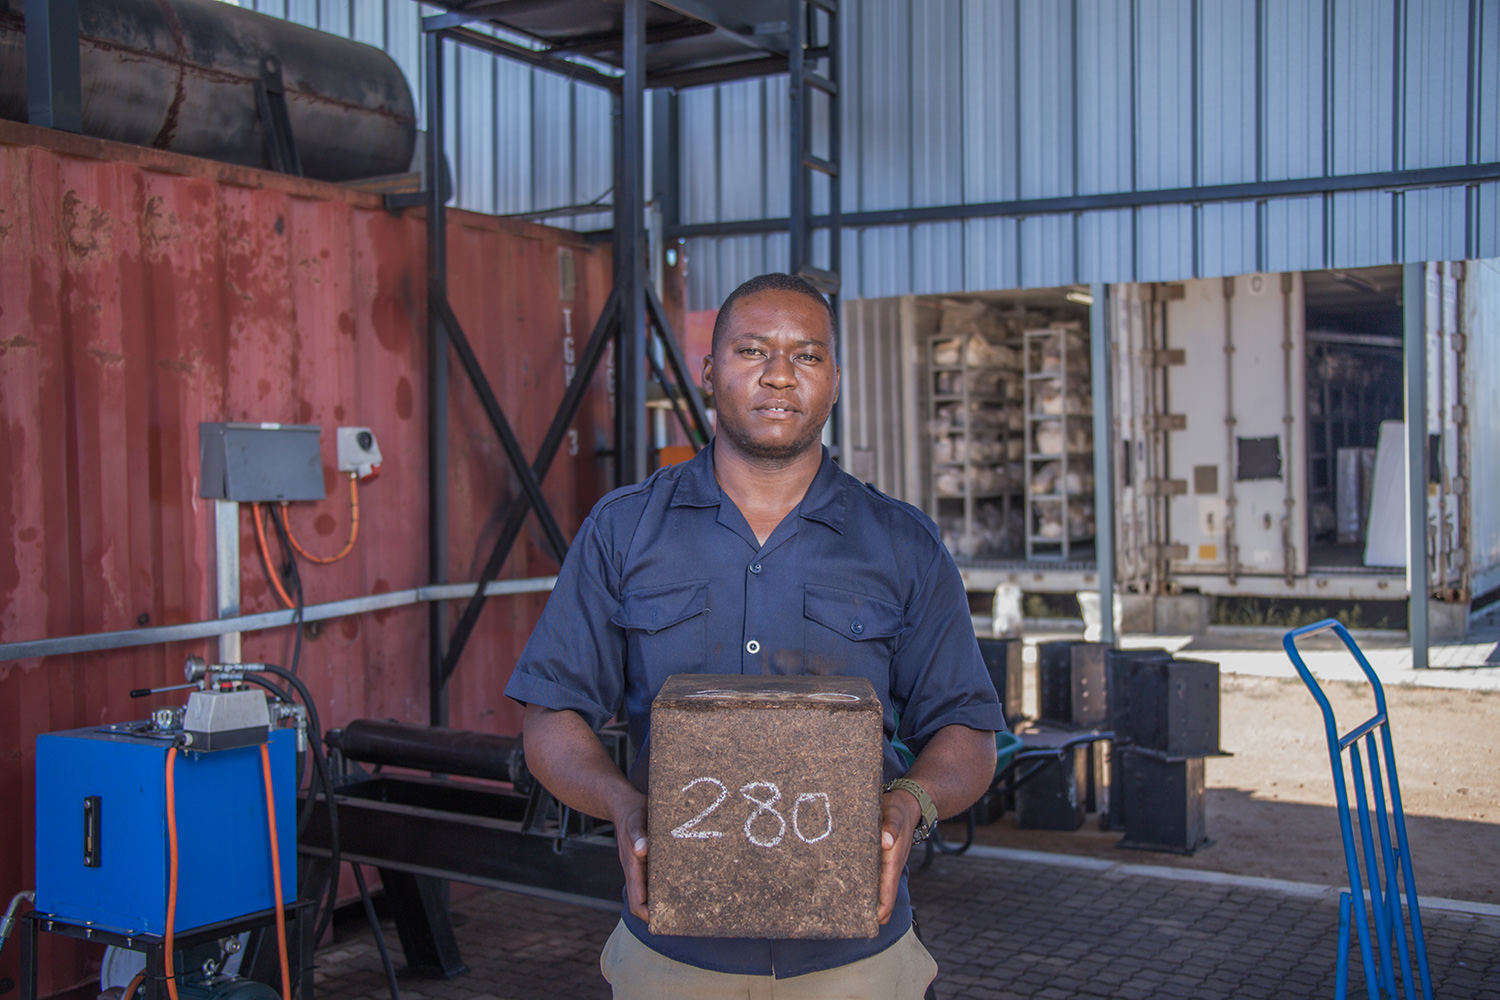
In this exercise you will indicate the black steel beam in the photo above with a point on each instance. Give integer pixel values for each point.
(703, 76)
(728, 27)
(54, 85)
(678, 362)
(631, 274)
(572, 399)
(1393, 180)
(522, 469)
(611, 41)
(532, 57)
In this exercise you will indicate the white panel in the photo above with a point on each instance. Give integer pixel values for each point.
(989, 108)
(1363, 78)
(1437, 58)
(937, 257)
(1487, 51)
(991, 254)
(515, 130)
(551, 141)
(699, 167)
(1362, 233)
(1105, 137)
(1164, 243)
(334, 17)
(740, 126)
(885, 127)
(1429, 228)
(1106, 246)
(702, 256)
(1164, 93)
(1226, 113)
(1046, 251)
(1482, 321)
(1293, 102)
(1294, 234)
(302, 12)
(1226, 239)
(1487, 221)
(1046, 73)
(778, 137)
(885, 261)
(475, 98)
(368, 22)
(403, 40)
(593, 159)
(937, 102)
(740, 259)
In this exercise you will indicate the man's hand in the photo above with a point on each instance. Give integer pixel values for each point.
(570, 762)
(630, 840)
(899, 815)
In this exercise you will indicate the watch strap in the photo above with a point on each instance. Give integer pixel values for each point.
(924, 801)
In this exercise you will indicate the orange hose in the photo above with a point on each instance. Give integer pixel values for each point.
(135, 984)
(286, 976)
(353, 527)
(265, 553)
(171, 871)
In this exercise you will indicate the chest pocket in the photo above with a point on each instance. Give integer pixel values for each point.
(856, 617)
(666, 627)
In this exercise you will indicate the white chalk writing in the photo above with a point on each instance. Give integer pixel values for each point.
(764, 796)
(763, 807)
(797, 816)
(686, 829)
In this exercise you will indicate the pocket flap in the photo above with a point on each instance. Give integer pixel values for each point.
(655, 608)
(854, 616)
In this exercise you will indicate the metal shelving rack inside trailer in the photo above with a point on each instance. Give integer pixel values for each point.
(1059, 441)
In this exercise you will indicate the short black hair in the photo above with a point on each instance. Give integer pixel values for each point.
(779, 282)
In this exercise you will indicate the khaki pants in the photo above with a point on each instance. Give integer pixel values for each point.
(636, 972)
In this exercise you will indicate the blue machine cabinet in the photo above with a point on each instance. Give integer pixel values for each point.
(115, 778)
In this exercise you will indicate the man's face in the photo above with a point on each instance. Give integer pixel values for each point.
(773, 376)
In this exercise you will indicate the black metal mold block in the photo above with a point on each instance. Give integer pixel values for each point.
(1088, 686)
(1167, 805)
(1054, 665)
(1002, 658)
(1054, 798)
(1171, 707)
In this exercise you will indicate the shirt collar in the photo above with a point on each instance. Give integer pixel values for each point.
(826, 501)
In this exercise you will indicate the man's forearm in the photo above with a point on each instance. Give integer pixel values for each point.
(955, 767)
(567, 758)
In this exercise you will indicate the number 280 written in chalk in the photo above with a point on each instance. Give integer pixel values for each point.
(767, 825)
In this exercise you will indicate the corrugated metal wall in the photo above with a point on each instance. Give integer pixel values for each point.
(142, 292)
(951, 101)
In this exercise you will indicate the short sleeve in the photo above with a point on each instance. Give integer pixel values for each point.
(575, 658)
(938, 677)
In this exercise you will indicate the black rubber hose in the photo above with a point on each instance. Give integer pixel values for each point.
(281, 693)
(320, 765)
(295, 575)
(385, 953)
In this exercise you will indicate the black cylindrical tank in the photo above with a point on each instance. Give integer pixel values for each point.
(180, 75)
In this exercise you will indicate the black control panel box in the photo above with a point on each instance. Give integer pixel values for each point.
(253, 463)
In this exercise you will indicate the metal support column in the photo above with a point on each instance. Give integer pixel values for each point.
(437, 383)
(1101, 352)
(631, 273)
(1414, 344)
(227, 573)
(54, 85)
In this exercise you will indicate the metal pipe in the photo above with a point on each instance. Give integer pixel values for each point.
(437, 381)
(1414, 313)
(1390, 180)
(94, 642)
(1288, 544)
(630, 271)
(227, 573)
(1104, 465)
(443, 751)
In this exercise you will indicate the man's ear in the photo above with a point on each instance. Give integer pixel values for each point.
(708, 372)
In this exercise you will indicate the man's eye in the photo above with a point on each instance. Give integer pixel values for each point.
(749, 350)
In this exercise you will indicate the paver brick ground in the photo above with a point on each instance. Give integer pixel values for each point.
(999, 929)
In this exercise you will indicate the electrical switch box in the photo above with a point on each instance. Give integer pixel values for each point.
(260, 462)
(358, 452)
(101, 829)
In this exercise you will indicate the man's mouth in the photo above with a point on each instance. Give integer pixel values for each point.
(778, 406)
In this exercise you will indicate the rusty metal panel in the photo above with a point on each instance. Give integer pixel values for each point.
(142, 292)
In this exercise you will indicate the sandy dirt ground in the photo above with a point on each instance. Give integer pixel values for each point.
(1270, 806)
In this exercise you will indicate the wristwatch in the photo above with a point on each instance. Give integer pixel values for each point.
(929, 811)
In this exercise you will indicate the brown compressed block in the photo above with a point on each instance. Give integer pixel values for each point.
(764, 813)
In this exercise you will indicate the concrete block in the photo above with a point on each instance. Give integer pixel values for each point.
(765, 807)
(1447, 621)
(1136, 614)
(1181, 614)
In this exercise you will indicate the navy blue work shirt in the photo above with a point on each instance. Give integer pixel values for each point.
(666, 577)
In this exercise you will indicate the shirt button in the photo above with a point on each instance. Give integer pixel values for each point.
(857, 627)
(755, 567)
(752, 647)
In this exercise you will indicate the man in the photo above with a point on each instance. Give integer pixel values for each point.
(760, 556)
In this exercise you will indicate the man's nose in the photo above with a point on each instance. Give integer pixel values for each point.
(779, 371)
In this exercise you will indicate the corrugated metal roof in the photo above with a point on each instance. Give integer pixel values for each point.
(972, 101)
